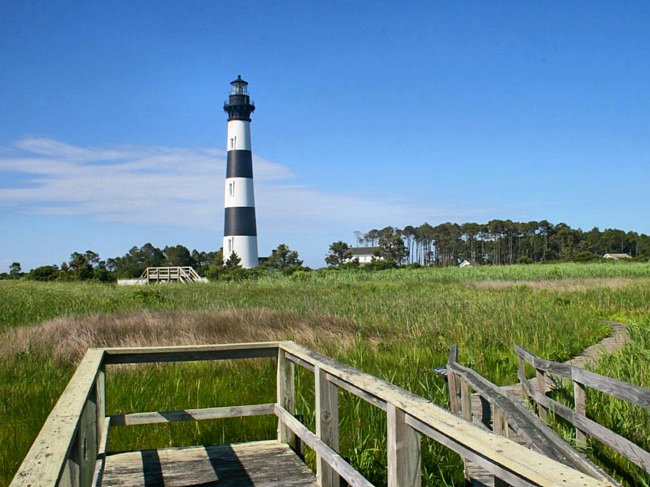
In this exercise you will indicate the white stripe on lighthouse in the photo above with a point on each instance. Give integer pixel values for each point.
(239, 135)
(239, 192)
(244, 246)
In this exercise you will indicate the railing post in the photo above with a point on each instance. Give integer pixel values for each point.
(100, 394)
(452, 381)
(499, 422)
(541, 388)
(285, 394)
(327, 426)
(466, 399)
(522, 377)
(403, 450)
(580, 400)
(500, 427)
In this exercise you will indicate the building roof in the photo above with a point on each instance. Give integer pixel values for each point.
(364, 250)
(617, 256)
(239, 81)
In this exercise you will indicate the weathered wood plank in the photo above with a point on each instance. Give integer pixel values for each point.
(561, 370)
(500, 425)
(621, 390)
(88, 441)
(343, 468)
(299, 361)
(529, 428)
(375, 401)
(101, 453)
(100, 396)
(521, 374)
(466, 399)
(580, 403)
(625, 447)
(139, 355)
(460, 435)
(256, 464)
(327, 426)
(191, 414)
(403, 450)
(541, 388)
(286, 394)
(452, 381)
(48, 456)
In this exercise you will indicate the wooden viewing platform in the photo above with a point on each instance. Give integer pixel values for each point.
(178, 274)
(71, 450)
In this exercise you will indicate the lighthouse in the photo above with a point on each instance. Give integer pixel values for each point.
(240, 229)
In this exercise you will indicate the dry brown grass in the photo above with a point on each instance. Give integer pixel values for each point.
(560, 284)
(68, 339)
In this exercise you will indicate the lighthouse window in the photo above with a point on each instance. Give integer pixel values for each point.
(231, 189)
(232, 142)
(229, 246)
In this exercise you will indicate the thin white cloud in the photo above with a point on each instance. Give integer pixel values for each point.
(179, 186)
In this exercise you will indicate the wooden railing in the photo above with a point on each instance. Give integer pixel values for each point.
(582, 379)
(71, 447)
(185, 274)
(509, 418)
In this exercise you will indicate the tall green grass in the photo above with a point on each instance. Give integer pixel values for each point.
(405, 322)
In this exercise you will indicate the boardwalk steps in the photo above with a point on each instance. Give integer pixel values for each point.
(71, 448)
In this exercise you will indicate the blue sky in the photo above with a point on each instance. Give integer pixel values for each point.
(368, 114)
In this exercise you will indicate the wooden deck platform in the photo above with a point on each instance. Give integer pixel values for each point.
(72, 448)
(260, 463)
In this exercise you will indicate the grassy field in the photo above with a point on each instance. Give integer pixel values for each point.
(397, 325)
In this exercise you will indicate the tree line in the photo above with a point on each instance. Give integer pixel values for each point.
(88, 265)
(500, 242)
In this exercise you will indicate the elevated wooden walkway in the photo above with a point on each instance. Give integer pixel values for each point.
(499, 409)
(71, 450)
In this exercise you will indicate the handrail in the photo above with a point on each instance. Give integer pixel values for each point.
(508, 413)
(185, 274)
(582, 378)
(500, 455)
(71, 445)
(64, 443)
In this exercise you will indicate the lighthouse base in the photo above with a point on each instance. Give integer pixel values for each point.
(244, 246)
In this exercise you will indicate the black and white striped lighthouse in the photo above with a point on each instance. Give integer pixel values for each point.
(240, 229)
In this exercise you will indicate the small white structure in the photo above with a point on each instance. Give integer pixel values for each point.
(466, 263)
(365, 254)
(617, 256)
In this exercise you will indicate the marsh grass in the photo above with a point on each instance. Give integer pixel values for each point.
(397, 325)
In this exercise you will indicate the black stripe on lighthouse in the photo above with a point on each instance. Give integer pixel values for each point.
(240, 164)
(240, 220)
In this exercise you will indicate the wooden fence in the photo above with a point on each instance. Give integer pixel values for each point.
(71, 447)
(582, 379)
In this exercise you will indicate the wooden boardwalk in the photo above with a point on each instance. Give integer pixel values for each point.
(71, 449)
(502, 410)
(589, 357)
(255, 464)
